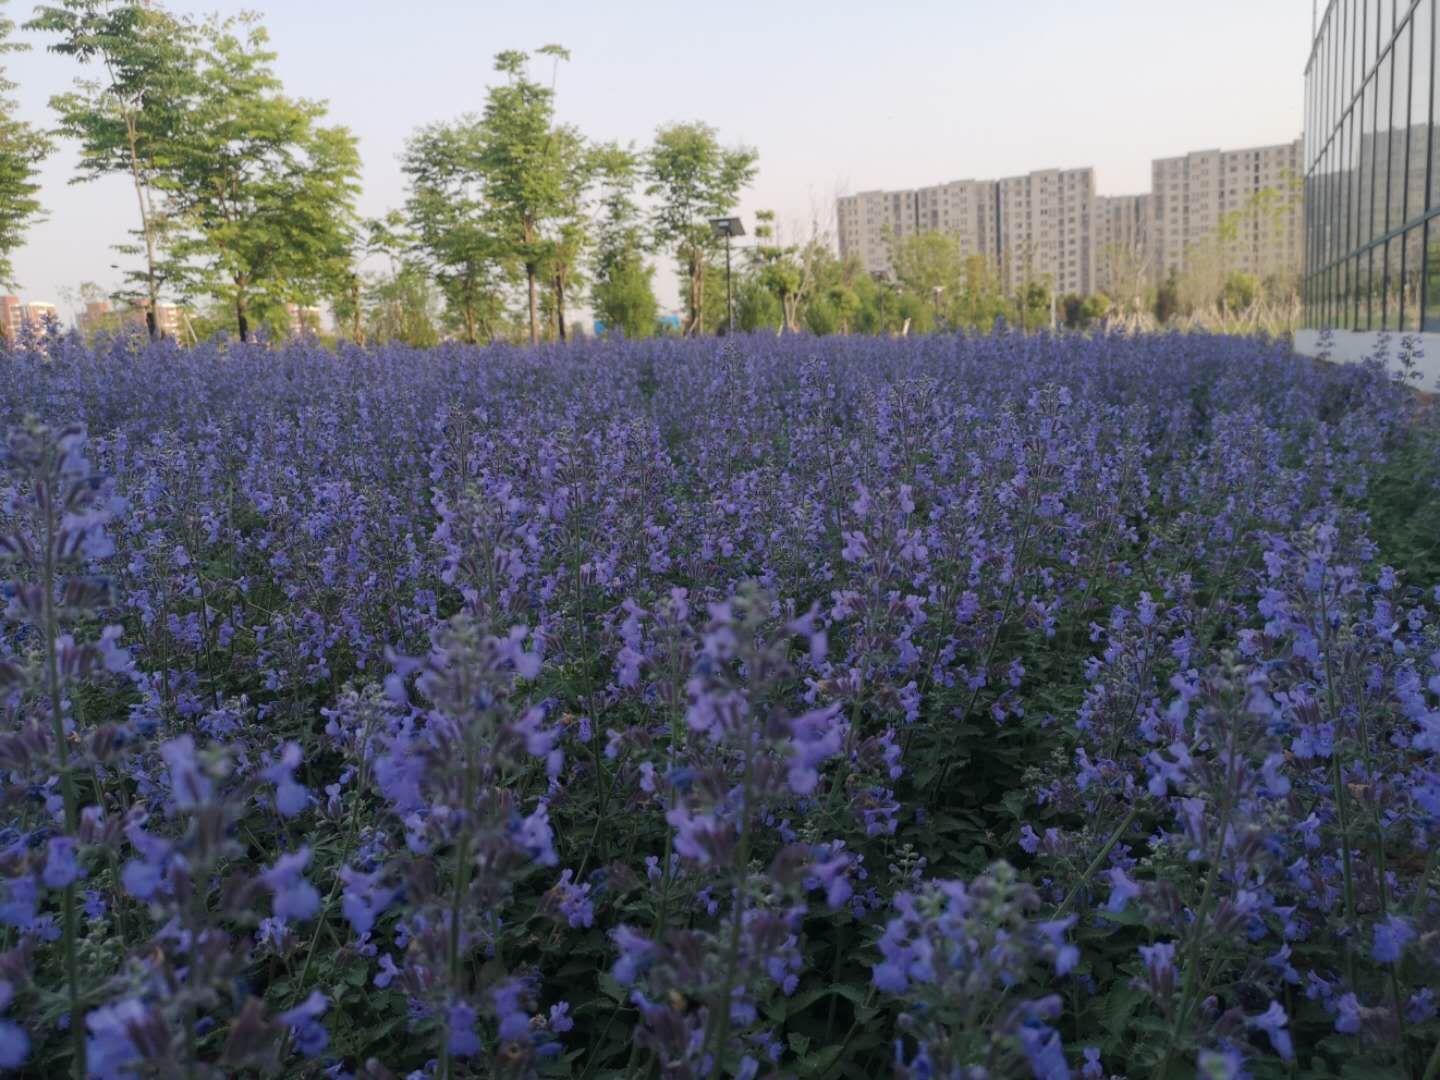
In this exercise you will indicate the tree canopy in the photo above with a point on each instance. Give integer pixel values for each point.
(22, 148)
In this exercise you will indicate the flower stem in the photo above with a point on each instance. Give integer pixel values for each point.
(1100, 857)
(67, 781)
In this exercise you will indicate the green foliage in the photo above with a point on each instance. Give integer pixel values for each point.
(1167, 299)
(756, 306)
(927, 262)
(528, 169)
(623, 296)
(22, 148)
(1239, 291)
(128, 122)
(449, 215)
(625, 299)
(260, 194)
(1079, 312)
(693, 178)
(1402, 507)
(786, 271)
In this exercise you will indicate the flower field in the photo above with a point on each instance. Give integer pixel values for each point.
(944, 707)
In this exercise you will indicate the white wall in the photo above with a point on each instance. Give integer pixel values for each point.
(1352, 346)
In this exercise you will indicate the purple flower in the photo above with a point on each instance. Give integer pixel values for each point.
(363, 898)
(1421, 1006)
(1159, 968)
(1047, 1056)
(304, 1023)
(831, 875)
(1391, 937)
(189, 785)
(1347, 1014)
(695, 834)
(533, 835)
(636, 954)
(1122, 891)
(387, 973)
(460, 1026)
(61, 868)
(573, 901)
(14, 1045)
(560, 1021)
(18, 905)
(815, 739)
(142, 880)
(1273, 1022)
(291, 797)
(1053, 932)
(295, 898)
(110, 1048)
(510, 1014)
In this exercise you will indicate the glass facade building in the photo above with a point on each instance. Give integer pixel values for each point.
(1372, 168)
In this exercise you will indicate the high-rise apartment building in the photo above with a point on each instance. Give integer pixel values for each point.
(1123, 256)
(867, 224)
(39, 312)
(1051, 226)
(15, 316)
(1046, 225)
(1256, 189)
(11, 317)
(1033, 227)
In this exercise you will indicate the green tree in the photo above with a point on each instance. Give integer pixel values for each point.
(449, 215)
(845, 303)
(835, 298)
(263, 196)
(525, 163)
(756, 306)
(926, 262)
(1095, 307)
(22, 148)
(126, 121)
(623, 293)
(1072, 311)
(981, 299)
(564, 264)
(401, 306)
(1239, 292)
(693, 178)
(625, 299)
(1034, 302)
(784, 270)
(1167, 298)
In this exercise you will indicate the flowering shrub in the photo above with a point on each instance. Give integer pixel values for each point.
(952, 707)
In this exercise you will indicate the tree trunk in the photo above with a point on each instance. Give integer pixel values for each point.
(697, 293)
(356, 333)
(534, 321)
(152, 324)
(242, 317)
(560, 306)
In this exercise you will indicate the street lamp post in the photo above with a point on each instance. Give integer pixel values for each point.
(728, 227)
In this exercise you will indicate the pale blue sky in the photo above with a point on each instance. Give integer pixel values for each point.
(837, 96)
